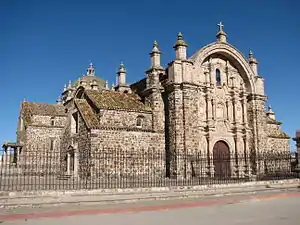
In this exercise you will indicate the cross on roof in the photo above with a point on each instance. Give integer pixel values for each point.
(220, 26)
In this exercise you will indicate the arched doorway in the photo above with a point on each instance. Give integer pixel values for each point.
(221, 160)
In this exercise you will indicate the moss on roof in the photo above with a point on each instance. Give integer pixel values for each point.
(87, 113)
(281, 134)
(107, 99)
(272, 121)
(42, 109)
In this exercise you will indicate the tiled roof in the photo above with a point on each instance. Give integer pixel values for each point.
(87, 113)
(107, 99)
(34, 108)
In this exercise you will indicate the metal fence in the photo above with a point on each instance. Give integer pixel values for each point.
(48, 170)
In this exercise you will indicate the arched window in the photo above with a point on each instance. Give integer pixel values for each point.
(218, 77)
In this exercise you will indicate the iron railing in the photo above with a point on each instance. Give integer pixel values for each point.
(116, 168)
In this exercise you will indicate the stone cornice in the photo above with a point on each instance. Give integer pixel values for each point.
(257, 97)
(45, 126)
(125, 129)
(279, 137)
(162, 69)
(151, 90)
(128, 110)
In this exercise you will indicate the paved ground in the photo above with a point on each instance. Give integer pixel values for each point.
(267, 208)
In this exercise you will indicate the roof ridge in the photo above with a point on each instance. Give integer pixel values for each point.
(87, 114)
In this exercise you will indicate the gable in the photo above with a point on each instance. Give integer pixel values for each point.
(30, 109)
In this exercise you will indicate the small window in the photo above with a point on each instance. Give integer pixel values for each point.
(218, 77)
(139, 122)
(52, 122)
(51, 144)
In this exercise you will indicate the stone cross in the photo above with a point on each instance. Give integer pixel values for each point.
(220, 26)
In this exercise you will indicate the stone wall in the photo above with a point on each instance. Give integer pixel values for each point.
(57, 121)
(41, 152)
(278, 141)
(66, 140)
(84, 150)
(120, 119)
(127, 154)
(280, 145)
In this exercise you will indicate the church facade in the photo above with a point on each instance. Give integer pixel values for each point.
(212, 103)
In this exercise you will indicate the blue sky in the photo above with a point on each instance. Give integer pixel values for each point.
(43, 44)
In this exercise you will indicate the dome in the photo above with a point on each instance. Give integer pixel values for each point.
(90, 79)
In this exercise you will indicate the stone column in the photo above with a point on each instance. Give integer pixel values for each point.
(227, 110)
(210, 165)
(75, 163)
(68, 163)
(7, 156)
(244, 105)
(235, 163)
(234, 103)
(214, 109)
(247, 169)
(209, 108)
(207, 78)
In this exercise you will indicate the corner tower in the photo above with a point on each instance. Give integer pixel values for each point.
(154, 90)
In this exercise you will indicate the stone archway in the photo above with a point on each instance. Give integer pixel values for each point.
(221, 160)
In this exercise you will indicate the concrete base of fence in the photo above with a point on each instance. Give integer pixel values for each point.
(105, 196)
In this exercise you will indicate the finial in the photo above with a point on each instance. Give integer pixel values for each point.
(91, 65)
(269, 108)
(122, 68)
(179, 36)
(59, 100)
(221, 35)
(65, 87)
(113, 86)
(106, 84)
(69, 84)
(155, 48)
(250, 53)
(270, 112)
(252, 59)
(220, 26)
(180, 41)
(24, 99)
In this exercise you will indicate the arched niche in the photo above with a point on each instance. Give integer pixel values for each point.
(230, 54)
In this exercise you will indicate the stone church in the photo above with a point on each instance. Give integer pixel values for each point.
(212, 103)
